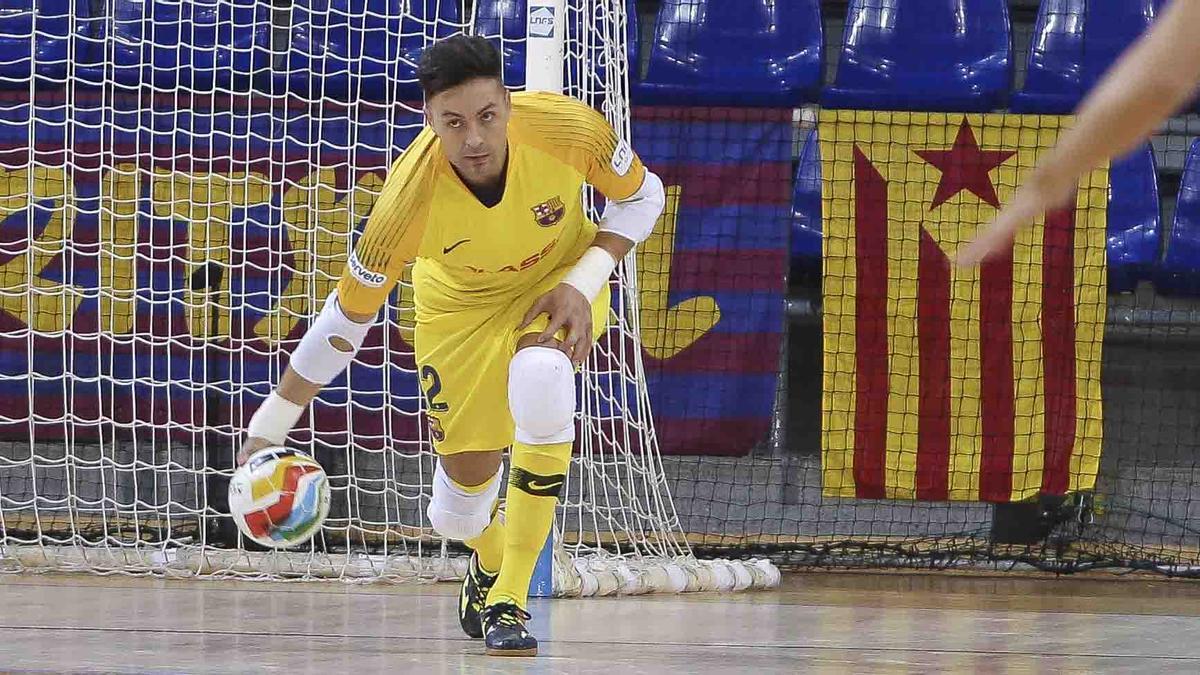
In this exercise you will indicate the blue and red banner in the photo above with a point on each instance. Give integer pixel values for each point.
(712, 279)
(160, 257)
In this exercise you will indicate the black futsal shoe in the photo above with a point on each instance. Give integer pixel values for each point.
(504, 631)
(475, 587)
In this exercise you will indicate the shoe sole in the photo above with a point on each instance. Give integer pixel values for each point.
(512, 652)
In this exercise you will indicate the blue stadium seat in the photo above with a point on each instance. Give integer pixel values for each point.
(1134, 220)
(50, 47)
(1180, 273)
(1074, 43)
(731, 52)
(952, 55)
(806, 213)
(505, 19)
(196, 45)
(346, 49)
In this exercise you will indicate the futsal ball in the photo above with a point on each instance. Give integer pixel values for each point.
(279, 497)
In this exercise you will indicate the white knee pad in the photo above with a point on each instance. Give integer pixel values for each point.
(458, 514)
(541, 396)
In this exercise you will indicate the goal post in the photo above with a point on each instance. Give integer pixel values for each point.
(545, 49)
(546, 37)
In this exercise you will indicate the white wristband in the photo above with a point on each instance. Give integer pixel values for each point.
(591, 273)
(274, 419)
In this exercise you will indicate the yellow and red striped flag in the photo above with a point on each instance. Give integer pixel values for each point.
(947, 383)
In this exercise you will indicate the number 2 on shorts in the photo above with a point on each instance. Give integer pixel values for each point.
(428, 373)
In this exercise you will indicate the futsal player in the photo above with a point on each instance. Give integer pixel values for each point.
(1156, 76)
(511, 291)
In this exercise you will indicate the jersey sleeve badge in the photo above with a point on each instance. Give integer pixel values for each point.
(365, 276)
(622, 158)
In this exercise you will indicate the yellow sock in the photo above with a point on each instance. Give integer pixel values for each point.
(537, 475)
(489, 544)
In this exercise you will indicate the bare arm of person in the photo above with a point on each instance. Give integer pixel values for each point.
(297, 391)
(1153, 78)
(279, 413)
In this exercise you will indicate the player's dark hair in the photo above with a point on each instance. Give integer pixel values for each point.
(450, 62)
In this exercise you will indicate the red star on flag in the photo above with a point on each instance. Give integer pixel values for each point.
(965, 167)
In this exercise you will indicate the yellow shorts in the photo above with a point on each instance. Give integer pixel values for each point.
(462, 360)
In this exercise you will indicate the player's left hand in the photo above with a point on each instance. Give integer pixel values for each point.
(569, 310)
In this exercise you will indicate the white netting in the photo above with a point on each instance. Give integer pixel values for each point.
(180, 183)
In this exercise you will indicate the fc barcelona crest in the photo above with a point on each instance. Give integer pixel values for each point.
(435, 429)
(549, 212)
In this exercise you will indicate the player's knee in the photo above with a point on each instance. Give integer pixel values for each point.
(541, 396)
(456, 513)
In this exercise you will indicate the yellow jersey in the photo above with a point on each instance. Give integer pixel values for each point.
(467, 254)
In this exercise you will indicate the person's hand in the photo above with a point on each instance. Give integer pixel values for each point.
(1029, 203)
(251, 446)
(998, 235)
(567, 308)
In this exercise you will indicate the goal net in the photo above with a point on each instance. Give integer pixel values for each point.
(180, 184)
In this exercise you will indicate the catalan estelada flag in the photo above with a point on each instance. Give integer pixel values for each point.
(948, 383)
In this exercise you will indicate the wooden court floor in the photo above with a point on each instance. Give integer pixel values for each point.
(815, 623)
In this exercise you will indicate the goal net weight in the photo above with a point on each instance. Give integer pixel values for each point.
(180, 185)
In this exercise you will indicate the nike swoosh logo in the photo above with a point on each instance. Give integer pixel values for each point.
(454, 246)
(544, 487)
(538, 486)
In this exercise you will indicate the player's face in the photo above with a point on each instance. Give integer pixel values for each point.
(472, 122)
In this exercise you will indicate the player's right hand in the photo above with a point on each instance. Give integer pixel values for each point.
(566, 309)
(251, 446)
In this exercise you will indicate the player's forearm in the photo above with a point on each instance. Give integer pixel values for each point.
(326, 349)
(626, 222)
(1152, 80)
(300, 391)
(297, 389)
(616, 245)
